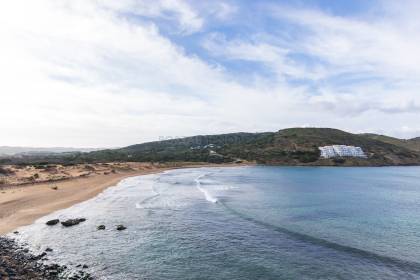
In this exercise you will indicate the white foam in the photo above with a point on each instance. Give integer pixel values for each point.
(207, 195)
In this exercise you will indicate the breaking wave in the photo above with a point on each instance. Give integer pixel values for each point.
(206, 193)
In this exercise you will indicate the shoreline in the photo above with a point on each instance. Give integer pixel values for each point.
(23, 205)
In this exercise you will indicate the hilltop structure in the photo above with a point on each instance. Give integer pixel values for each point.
(341, 151)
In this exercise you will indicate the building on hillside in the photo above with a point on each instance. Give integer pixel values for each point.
(327, 152)
(341, 151)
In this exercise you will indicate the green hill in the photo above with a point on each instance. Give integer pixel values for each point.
(411, 144)
(299, 146)
(293, 146)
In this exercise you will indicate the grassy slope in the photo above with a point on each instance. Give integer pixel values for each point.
(411, 144)
(380, 153)
(177, 149)
(299, 146)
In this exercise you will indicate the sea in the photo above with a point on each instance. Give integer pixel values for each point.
(251, 222)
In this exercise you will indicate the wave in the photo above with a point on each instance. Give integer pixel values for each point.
(140, 205)
(158, 198)
(405, 265)
(207, 195)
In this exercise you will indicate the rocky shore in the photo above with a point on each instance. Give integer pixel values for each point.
(17, 263)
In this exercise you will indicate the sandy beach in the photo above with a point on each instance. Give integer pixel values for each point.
(21, 204)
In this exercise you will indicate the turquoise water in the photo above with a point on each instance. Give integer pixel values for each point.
(247, 223)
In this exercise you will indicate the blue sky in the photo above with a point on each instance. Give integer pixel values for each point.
(104, 73)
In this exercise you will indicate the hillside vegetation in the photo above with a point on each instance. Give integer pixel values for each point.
(411, 144)
(294, 146)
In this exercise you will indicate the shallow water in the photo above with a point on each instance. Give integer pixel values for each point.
(247, 223)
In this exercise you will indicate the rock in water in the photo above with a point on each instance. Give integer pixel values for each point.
(73, 222)
(52, 222)
(101, 227)
(121, 227)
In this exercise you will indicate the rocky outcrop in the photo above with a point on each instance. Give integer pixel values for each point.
(121, 227)
(17, 263)
(101, 227)
(72, 222)
(52, 222)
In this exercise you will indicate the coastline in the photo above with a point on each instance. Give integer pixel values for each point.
(22, 205)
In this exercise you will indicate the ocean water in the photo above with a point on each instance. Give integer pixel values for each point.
(246, 223)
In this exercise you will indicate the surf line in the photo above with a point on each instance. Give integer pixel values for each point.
(207, 195)
(147, 199)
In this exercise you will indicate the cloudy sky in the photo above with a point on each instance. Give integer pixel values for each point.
(102, 73)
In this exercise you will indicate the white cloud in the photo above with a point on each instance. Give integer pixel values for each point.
(274, 57)
(100, 73)
(78, 75)
(351, 66)
(178, 11)
(386, 47)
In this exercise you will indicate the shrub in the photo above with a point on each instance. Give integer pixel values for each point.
(339, 160)
(5, 171)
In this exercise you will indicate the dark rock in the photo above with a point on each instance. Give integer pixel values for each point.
(16, 263)
(40, 256)
(70, 222)
(85, 266)
(16, 232)
(101, 227)
(48, 249)
(121, 227)
(73, 222)
(52, 222)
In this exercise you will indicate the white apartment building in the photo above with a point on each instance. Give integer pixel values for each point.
(341, 151)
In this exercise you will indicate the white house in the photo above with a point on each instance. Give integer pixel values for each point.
(341, 151)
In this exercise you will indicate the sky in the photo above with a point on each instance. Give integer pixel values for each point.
(102, 73)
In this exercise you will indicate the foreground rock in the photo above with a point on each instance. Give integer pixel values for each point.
(52, 222)
(72, 222)
(17, 263)
(121, 227)
(101, 227)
